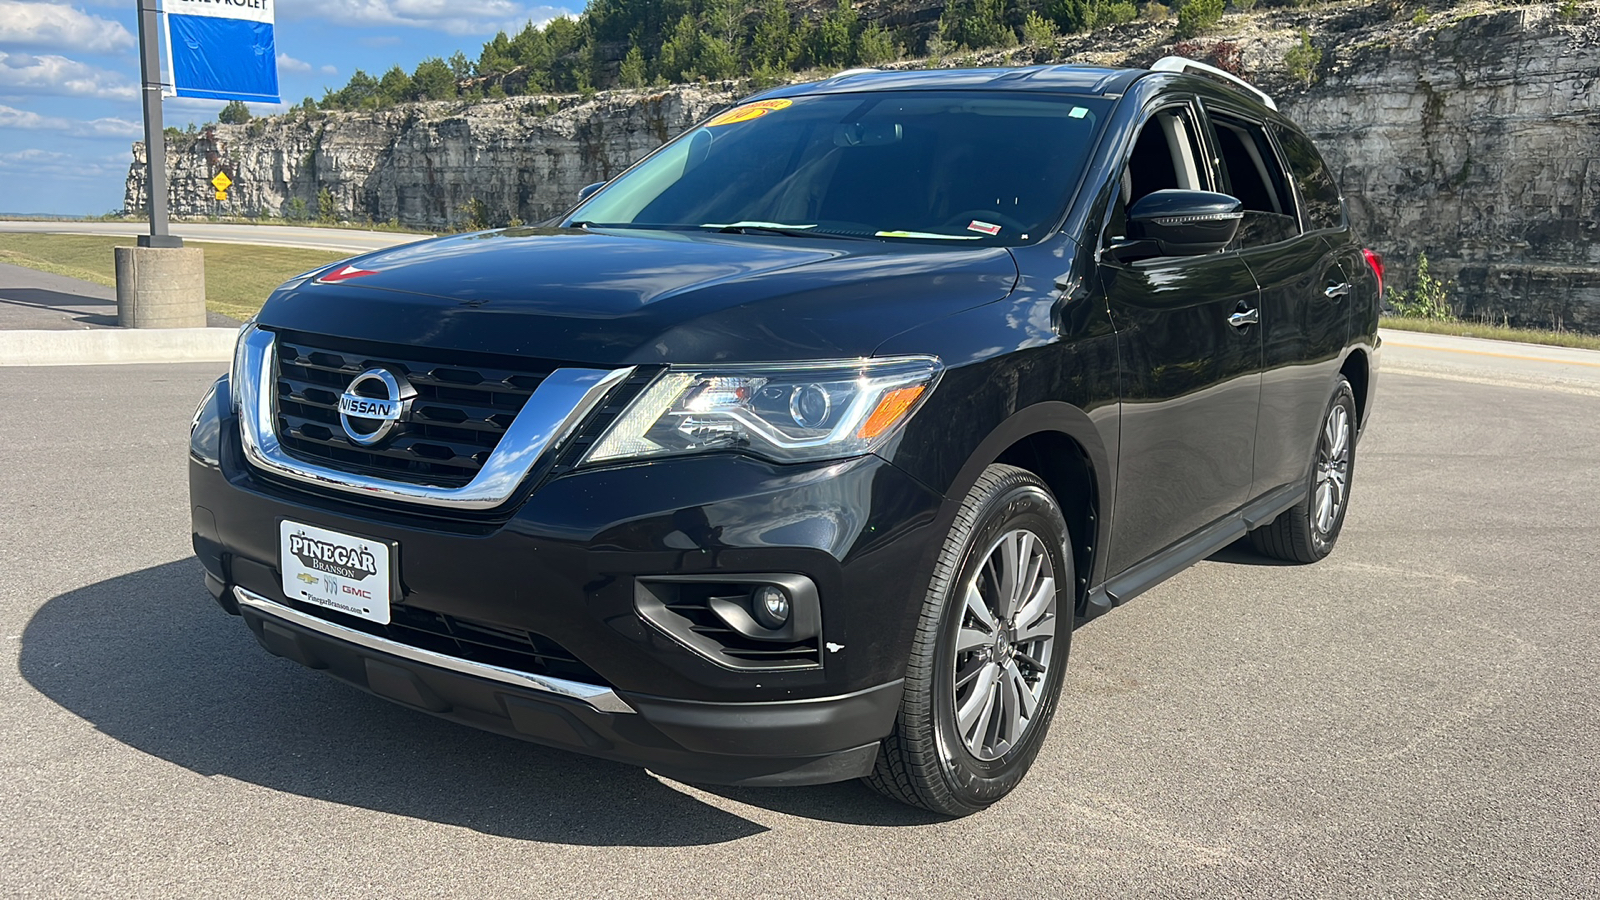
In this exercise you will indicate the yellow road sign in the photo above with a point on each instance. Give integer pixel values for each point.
(221, 183)
(222, 195)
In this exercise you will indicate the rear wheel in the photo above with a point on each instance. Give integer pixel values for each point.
(1307, 532)
(991, 643)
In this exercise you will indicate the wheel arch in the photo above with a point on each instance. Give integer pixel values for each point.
(1357, 370)
(1060, 445)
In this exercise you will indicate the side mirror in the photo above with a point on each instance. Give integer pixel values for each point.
(1185, 223)
(588, 190)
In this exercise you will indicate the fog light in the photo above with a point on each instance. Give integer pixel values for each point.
(770, 606)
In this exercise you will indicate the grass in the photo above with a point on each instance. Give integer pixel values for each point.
(1459, 328)
(238, 276)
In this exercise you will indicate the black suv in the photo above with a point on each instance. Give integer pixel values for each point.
(794, 453)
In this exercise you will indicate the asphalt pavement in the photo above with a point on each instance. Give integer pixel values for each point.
(346, 239)
(1416, 716)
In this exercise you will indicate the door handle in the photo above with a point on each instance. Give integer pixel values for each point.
(1245, 318)
(1337, 291)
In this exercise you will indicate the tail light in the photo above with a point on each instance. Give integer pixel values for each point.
(1376, 262)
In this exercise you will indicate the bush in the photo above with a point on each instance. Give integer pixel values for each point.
(1037, 31)
(1198, 16)
(476, 213)
(295, 209)
(1155, 12)
(1429, 298)
(1303, 59)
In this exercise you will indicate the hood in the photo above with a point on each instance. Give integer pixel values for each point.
(632, 297)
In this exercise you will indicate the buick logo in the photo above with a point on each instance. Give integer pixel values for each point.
(375, 402)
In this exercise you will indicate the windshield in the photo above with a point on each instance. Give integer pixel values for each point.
(959, 167)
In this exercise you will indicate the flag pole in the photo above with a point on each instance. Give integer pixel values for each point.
(155, 139)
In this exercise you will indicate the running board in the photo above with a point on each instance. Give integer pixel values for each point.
(1190, 550)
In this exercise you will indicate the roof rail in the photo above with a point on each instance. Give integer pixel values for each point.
(1184, 65)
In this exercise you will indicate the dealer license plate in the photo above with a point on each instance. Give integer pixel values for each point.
(336, 571)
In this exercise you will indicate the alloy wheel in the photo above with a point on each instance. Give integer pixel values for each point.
(1004, 647)
(1333, 471)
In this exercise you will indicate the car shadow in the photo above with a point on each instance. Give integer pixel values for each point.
(151, 661)
(1240, 553)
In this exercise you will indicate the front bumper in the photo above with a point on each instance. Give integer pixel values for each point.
(783, 743)
(565, 563)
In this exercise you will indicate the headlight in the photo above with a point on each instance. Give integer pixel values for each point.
(785, 413)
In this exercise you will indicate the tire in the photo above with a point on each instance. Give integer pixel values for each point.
(965, 639)
(1306, 532)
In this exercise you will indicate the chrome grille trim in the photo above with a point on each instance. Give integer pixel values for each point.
(560, 402)
(601, 698)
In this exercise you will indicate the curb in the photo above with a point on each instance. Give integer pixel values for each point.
(113, 346)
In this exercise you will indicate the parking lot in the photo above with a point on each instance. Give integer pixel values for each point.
(1417, 716)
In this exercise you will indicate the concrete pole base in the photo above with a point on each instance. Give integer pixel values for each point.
(161, 287)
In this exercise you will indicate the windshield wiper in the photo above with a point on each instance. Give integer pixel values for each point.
(786, 230)
(642, 226)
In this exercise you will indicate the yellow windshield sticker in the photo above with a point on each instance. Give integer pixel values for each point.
(749, 112)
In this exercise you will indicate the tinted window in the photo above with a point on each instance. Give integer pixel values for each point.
(958, 167)
(1252, 172)
(1317, 190)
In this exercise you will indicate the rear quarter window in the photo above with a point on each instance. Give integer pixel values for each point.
(1317, 189)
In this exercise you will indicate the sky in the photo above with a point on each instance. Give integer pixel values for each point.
(69, 79)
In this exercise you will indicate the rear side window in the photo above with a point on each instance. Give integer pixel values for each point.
(1252, 173)
(1317, 190)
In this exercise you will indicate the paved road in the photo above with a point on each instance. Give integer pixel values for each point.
(348, 240)
(1415, 717)
(1492, 362)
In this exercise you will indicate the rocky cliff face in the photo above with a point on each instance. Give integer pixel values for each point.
(1474, 139)
(427, 165)
(1478, 143)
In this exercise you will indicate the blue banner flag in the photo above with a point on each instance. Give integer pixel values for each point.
(222, 49)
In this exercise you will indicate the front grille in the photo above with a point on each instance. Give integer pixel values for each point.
(495, 645)
(457, 419)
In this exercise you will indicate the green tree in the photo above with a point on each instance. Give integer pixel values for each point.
(875, 46)
(296, 209)
(833, 44)
(716, 60)
(235, 113)
(976, 24)
(678, 51)
(1198, 16)
(1037, 31)
(774, 45)
(460, 66)
(632, 73)
(433, 80)
(327, 209)
(395, 87)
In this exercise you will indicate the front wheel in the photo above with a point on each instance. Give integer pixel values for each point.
(1306, 532)
(986, 664)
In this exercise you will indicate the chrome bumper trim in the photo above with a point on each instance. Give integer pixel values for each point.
(558, 405)
(603, 699)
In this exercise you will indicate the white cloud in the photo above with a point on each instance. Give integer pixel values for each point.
(57, 166)
(285, 61)
(11, 117)
(58, 25)
(329, 70)
(50, 74)
(483, 17)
